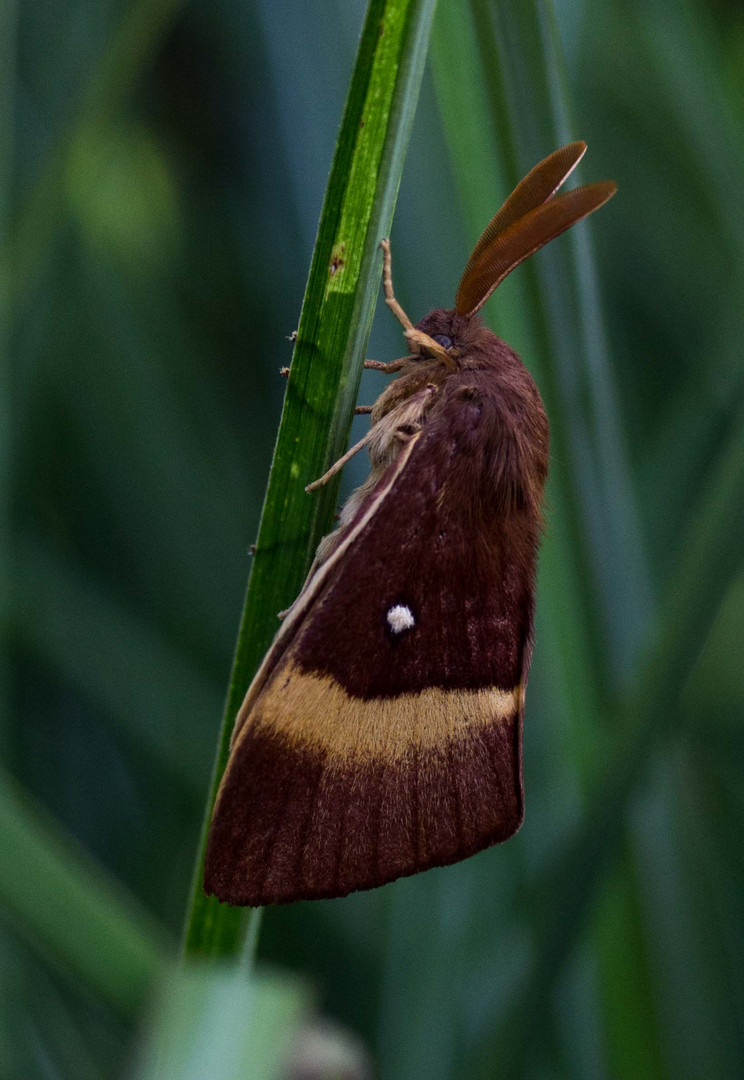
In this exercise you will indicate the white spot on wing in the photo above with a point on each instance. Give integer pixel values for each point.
(400, 618)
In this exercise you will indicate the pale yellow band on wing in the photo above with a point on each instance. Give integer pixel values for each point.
(315, 712)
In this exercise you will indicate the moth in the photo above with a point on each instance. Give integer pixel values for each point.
(382, 735)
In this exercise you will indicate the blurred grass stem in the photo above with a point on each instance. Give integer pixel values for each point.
(8, 45)
(130, 49)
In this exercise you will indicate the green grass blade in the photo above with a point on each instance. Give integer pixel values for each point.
(218, 1021)
(630, 1020)
(54, 897)
(8, 47)
(97, 644)
(467, 119)
(326, 368)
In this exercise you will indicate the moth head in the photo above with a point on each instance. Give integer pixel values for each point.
(531, 217)
(435, 355)
(437, 346)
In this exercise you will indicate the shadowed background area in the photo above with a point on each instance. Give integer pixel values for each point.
(162, 168)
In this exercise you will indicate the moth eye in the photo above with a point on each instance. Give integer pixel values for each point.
(443, 340)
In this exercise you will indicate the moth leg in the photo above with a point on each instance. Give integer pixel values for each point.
(338, 465)
(325, 547)
(418, 341)
(281, 615)
(363, 410)
(387, 284)
(379, 365)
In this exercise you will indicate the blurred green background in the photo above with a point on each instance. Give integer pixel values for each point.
(162, 168)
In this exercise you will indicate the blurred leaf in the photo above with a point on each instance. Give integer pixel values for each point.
(116, 657)
(708, 791)
(219, 1021)
(467, 117)
(667, 121)
(121, 189)
(627, 994)
(60, 902)
(697, 1024)
(8, 49)
(327, 364)
(559, 897)
(45, 1023)
(719, 666)
(175, 522)
(129, 51)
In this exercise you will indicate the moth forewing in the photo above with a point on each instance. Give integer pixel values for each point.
(380, 756)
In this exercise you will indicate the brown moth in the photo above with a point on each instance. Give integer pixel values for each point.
(382, 734)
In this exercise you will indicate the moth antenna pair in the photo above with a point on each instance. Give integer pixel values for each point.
(531, 217)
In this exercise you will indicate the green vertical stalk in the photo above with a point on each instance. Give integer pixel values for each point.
(8, 17)
(326, 368)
